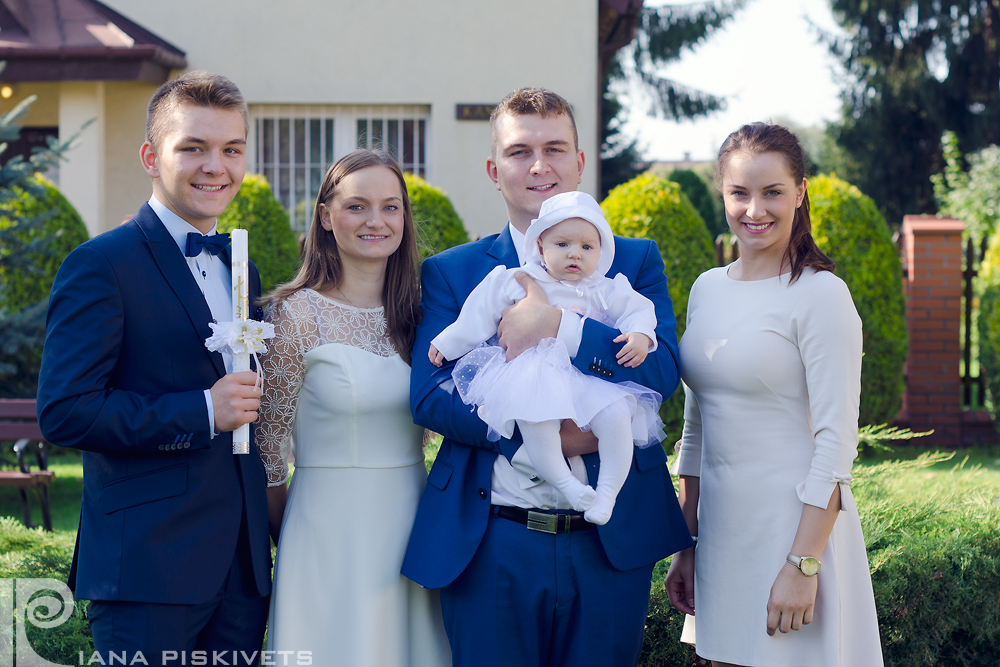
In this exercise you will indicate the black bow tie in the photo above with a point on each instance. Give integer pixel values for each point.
(197, 242)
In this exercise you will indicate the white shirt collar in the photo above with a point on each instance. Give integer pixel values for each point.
(518, 238)
(178, 227)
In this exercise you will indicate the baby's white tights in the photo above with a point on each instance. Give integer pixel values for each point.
(613, 428)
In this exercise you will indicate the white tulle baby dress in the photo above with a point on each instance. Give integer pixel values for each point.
(541, 384)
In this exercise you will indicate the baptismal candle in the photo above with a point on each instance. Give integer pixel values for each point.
(241, 312)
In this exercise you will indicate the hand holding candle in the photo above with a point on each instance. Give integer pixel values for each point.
(243, 336)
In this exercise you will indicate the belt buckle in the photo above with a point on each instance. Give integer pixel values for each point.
(544, 523)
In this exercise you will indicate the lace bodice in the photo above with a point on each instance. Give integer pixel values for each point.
(303, 322)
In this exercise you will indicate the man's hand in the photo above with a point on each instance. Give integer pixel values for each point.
(529, 320)
(635, 350)
(235, 400)
(435, 356)
(574, 441)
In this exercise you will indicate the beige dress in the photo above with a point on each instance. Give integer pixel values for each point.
(773, 376)
(337, 391)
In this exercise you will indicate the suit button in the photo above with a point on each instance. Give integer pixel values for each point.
(187, 445)
(595, 368)
(160, 447)
(482, 493)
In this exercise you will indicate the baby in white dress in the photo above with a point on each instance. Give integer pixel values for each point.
(569, 249)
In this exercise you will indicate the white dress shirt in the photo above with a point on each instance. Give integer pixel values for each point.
(212, 275)
(516, 483)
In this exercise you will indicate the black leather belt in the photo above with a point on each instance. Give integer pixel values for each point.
(542, 521)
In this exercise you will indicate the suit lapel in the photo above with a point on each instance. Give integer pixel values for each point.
(175, 271)
(503, 249)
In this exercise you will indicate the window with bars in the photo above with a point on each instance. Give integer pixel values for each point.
(402, 139)
(294, 145)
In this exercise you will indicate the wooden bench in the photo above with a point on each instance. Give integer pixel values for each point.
(19, 423)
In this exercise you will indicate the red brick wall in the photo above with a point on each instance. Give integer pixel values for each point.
(932, 261)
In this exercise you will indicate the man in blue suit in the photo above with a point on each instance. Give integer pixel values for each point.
(173, 547)
(525, 580)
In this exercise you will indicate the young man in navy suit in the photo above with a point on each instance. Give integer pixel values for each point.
(173, 547)
(525, 580)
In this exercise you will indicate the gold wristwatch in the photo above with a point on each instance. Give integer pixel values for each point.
(807, 565)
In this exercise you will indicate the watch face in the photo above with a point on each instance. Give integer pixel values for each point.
(809, 566)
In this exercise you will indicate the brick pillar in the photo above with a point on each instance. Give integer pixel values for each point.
(932, 258)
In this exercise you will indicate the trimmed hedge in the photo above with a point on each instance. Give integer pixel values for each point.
(438, 225)
(654, 208)
(988, 291)
(848, 227)
(273, 246)
(702, 198)
(66, 229)
(32, 553)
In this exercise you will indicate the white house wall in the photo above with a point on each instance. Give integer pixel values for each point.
(397, 52)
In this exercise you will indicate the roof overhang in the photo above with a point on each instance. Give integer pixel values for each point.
(80, 40)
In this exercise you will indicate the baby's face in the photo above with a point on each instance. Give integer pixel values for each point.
(570, 249)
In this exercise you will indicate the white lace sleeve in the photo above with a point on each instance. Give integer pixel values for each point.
(283, 372)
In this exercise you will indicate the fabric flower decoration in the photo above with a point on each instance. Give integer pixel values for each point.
(243, 337)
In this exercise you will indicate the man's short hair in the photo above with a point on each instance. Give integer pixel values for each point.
(527, 102)
(199, 88)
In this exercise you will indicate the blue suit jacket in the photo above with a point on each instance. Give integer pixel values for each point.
(123, 375)
(647, 523)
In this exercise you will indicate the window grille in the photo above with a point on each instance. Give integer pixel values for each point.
(293, 145)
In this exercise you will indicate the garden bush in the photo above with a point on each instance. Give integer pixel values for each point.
(972, 196)
(25, 284)
(438, 225)
(702, 196)
(66, 229)
(848, 227)
(274, 249)
(988, 291)
(653, 208)
(31, 553)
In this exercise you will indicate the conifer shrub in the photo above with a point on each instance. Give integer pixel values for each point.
(65, 229)
(438, 225)
(848, 227)
(654, 208)
(988, 291)
(702, 197)
(35, 554)
(40, 246)
(273, 246)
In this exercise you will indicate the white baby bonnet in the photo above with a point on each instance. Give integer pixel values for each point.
(563, 207)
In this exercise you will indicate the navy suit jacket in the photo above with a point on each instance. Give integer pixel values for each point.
(123, 375)
(647, 523)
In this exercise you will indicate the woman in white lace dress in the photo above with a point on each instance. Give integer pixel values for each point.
(337, 389)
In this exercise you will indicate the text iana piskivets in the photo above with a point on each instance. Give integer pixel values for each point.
(200, 658)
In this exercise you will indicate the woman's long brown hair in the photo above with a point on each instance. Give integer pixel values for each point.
(757, 138)
(323, 270)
